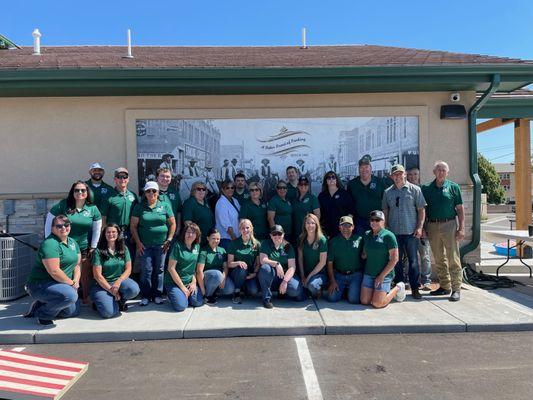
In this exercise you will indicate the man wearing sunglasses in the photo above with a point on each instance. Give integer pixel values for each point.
(404, 208)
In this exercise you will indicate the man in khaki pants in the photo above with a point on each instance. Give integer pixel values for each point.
(446, 221)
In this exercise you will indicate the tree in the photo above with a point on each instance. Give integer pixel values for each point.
(490, 181)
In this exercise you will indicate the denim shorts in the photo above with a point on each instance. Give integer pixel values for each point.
(368, 282)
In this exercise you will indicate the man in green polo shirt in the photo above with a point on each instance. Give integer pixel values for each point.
(367, 194)
(292, 182)
(98, 188)
(241, 192)
(446, 227)
(344, 263)
(169, 195)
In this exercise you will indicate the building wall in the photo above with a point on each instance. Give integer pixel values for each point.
(47, 143)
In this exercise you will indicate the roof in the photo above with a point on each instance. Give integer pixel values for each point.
(104, 71)
(509, 105)
(63, 57)
(504, 167)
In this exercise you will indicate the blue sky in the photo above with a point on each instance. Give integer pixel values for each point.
(484, 27)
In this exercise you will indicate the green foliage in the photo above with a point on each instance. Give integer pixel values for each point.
(490, 181)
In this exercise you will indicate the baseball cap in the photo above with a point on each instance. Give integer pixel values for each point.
(346, 220)
(151, 185)
(303, 179)
(121, 170)
(96, 166)
(397, 168)
(277, 228)
(365, 160)
(377, 214)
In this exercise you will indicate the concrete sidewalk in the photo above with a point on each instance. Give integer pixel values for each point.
(477, 311)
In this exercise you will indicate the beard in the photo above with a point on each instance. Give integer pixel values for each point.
(97, 177)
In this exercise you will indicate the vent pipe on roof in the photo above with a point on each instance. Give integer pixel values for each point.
(304, 39)
(129, 55)
(36, 42)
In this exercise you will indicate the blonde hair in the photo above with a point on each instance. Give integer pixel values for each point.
(318, 233)
(252, 237)
(256, 185)
(196, 185)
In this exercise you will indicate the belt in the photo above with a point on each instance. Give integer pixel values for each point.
(441, 219)
(345, 272)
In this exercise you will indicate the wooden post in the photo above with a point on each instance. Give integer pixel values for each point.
(522, 152)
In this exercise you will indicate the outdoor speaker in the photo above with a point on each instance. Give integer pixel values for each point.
(453, 111)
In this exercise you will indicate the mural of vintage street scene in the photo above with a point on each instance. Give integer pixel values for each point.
(216, 150)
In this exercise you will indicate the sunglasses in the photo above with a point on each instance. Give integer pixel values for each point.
(276, 233)
(254, 190)
(80, 190)
(230, 188)
(124, 176)
(281, 187)
(331, 177)
(345, 225)
(150, 191)
(201, 189)
(374, 220)
(61, 226)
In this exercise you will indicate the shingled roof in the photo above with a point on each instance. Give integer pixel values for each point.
(152, 57)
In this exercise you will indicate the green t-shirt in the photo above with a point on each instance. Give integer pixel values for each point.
(186, 262)
(281, 254)
(212, 259)
(99, 193)
(300, 208)
(367, 198)
(345, 253)
(377, 249)
(246, 252)
(283, 209)
(152, 227)
(200, 214)
(311, 253)
(441, 201)
(81, 221)
(258, 215)
(113, 266)
(241, 198)
(52, 247)
(117, 207)
(172, 197)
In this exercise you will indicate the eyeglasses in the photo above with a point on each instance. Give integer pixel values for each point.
(398, 201)
(281, 187)
(374, 220)
(80, 190)
(150, 191)
(61, 226)
(201, 189)
(254, 190)
(276, 233)
(122, 176)
(331, 177)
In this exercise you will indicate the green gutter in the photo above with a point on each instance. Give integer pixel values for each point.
(472, 144)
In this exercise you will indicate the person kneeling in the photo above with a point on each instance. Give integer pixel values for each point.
(111, 271)
(381, 251)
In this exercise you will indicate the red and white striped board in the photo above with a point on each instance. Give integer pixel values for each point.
(25, 376)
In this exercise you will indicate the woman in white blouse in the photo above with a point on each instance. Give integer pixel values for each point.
(227, 215)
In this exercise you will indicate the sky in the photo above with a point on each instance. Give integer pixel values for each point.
(470, 26)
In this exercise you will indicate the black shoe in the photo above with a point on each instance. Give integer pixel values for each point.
(33, 307)
(237, 299)
(122, 306)
(45, 322)
(456, 296)
(416, 294)
(439, 292)
(211, 299)
(268, 304)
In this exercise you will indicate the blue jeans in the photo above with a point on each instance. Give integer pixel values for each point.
(105, 302)
(425, 261)
(58, 300)
(179, 301)
(152, 269)
(408, 245)
(352, 282)
(213, 279)
(316, 282)
(268, 280)
(361, 226)
(238, 276)
(368, 282)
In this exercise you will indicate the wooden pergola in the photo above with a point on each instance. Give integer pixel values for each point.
(517, 108)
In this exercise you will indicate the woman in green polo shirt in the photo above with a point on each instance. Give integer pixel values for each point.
(54, 279)
(196, 209)
(312, 255)
(152, 227)
(212, 269)
(380, 249)
(280, 210)
(278, 266)
(243, 262)
(255, 210)
(180, 277)
(85, 227)
(111, 271)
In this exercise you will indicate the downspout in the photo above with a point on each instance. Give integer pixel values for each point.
(472, 144)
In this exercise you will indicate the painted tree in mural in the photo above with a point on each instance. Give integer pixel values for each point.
(490, 181)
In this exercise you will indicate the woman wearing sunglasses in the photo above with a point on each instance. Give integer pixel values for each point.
(111, 271)
(227, 215)
(380, 249)
(54, 279)
(152, 227)
(335, 202)
(255, 210)
(86, 224)
(304, 203)
(278, 267)
(196, 210)
(280, 210)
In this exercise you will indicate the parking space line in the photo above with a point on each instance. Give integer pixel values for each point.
(308, 370)
(19, 349)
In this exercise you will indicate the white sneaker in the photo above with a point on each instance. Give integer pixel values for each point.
(144, 302)
(158, 300)
(400, 294)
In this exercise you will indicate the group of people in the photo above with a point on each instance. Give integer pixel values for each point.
(344, 243)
